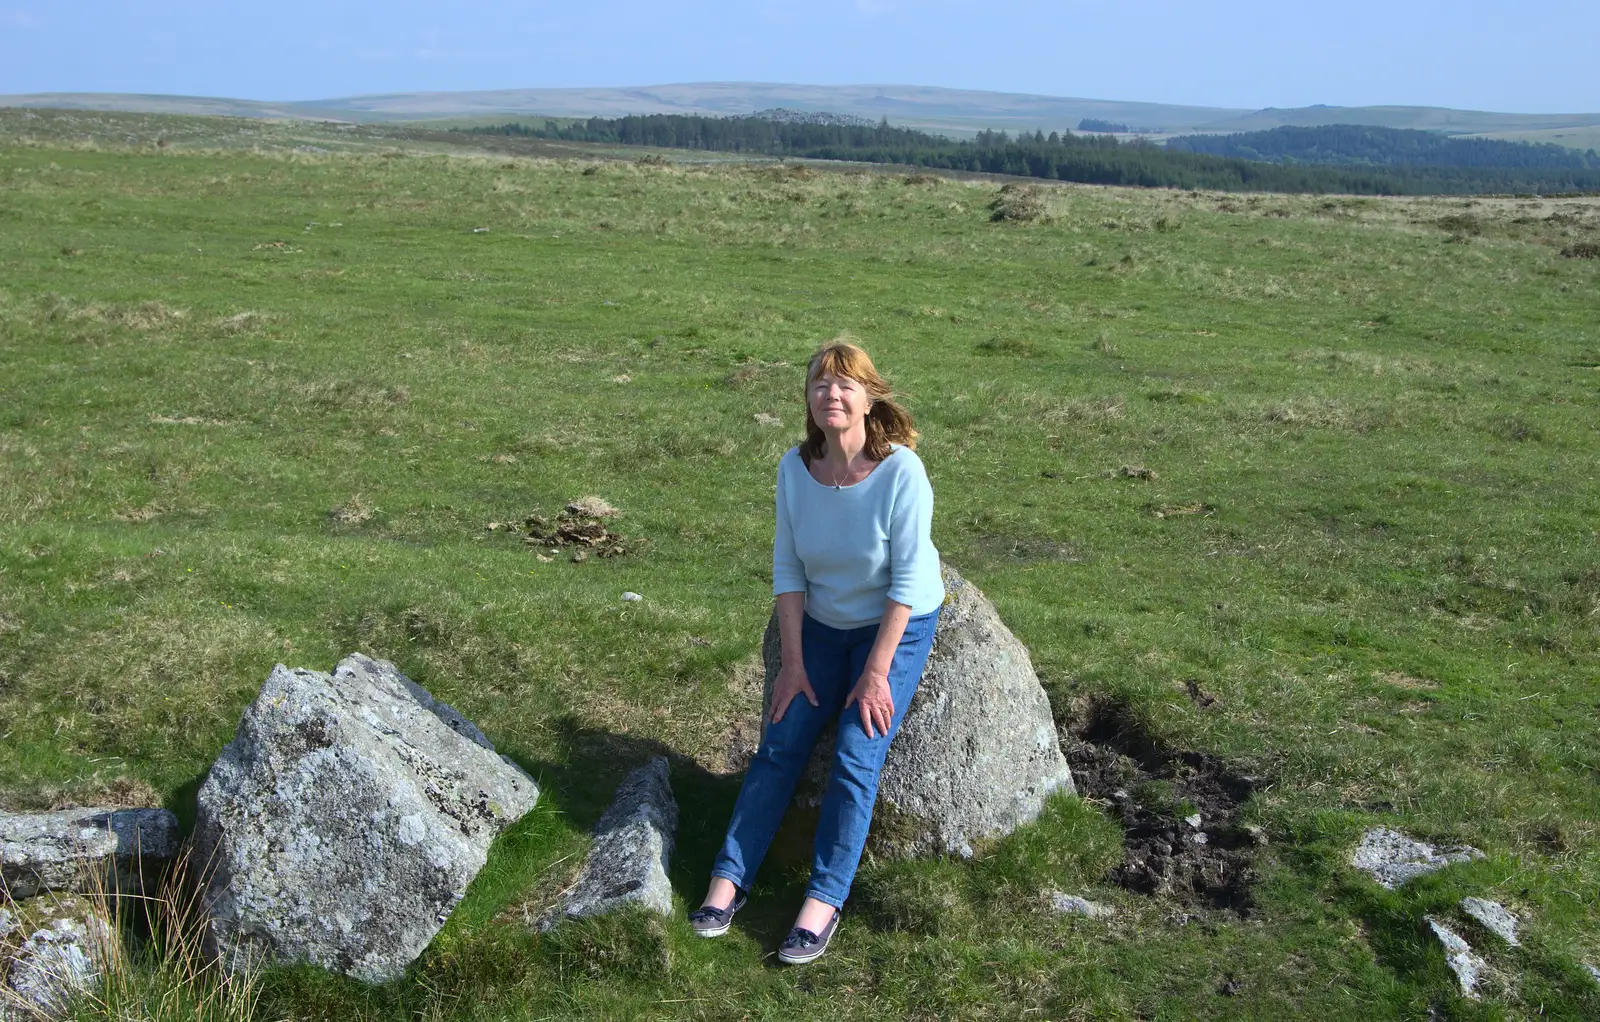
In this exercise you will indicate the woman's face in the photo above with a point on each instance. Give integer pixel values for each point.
(837, 402)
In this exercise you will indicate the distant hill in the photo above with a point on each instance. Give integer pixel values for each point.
(1421, 118)
(1365, 145)
(955, 112)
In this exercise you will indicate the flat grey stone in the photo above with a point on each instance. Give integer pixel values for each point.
(63, 958)
(345, 820)
(84, 850)
(8, 922)
(1495, 917)
(1594, 972)
(1072, 904)
(1392, 859)
(632, 849)
(1458, 954)
(977, 753)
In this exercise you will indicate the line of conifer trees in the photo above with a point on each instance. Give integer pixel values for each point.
(1385, 147)
(1093, 159)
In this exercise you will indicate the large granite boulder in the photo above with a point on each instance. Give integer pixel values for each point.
(346, 819)
(632, 849)
(53, 951)
(85, 850)
(976, 755)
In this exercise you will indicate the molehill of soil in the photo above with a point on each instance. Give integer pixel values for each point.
(1158, 793)
(581, 527)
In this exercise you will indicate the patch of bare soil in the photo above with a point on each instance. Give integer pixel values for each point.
(580, 527)
(1182, 838)
(1018, 204)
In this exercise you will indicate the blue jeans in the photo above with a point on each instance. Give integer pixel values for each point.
(834, 659)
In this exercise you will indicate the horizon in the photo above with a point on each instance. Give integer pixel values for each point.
(627, 86)
(1462, 57)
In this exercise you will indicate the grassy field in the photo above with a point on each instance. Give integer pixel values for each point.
(258, 405)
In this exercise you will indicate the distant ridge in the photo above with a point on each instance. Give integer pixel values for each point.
(951, 111)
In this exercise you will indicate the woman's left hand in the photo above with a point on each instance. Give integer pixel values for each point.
(877, 702)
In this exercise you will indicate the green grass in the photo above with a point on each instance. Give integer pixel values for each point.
(259, 406)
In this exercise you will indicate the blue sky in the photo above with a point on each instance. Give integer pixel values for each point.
(1244, 54)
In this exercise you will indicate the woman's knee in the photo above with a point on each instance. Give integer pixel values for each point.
(788, 743)
(858, 759)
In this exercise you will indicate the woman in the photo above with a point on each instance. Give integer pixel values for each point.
(857, 584)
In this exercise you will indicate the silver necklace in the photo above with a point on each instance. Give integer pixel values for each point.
(836, 484)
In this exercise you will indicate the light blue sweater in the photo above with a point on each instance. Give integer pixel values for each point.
(852, 548)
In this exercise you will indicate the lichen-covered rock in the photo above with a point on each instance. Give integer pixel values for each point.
(344, 822)
(85, 850)
(1391, 858)
(1460, 957)
(62, 958)
(976, 755)
(1494, 917)
(632, 849)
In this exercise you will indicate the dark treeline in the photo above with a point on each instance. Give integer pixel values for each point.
(1092, 159)
(788, 136)
(1385, 147)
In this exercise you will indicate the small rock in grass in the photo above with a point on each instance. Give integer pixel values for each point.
(767, 419)
(8, 922)
(1193, 820)
(1495, 917)
(1458, 954)
(1392, 859)
(1593, 972)
(1257, 835)
(1073, 905)
(632, 849)
(62, 959)
(631, 597)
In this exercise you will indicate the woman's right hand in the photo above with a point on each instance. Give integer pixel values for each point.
(792, 681)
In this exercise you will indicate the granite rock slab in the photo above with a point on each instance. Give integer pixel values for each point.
(343, 823)
(85, 850)
(977, 752)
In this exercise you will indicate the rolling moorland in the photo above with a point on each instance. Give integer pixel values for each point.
(958, 113)
(1304, 483)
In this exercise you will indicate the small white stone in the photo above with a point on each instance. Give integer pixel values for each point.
(631, 597)
(1594, 972)
(1193, 821)
(1495, 917)
(1073, 905)
(1458, 954)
